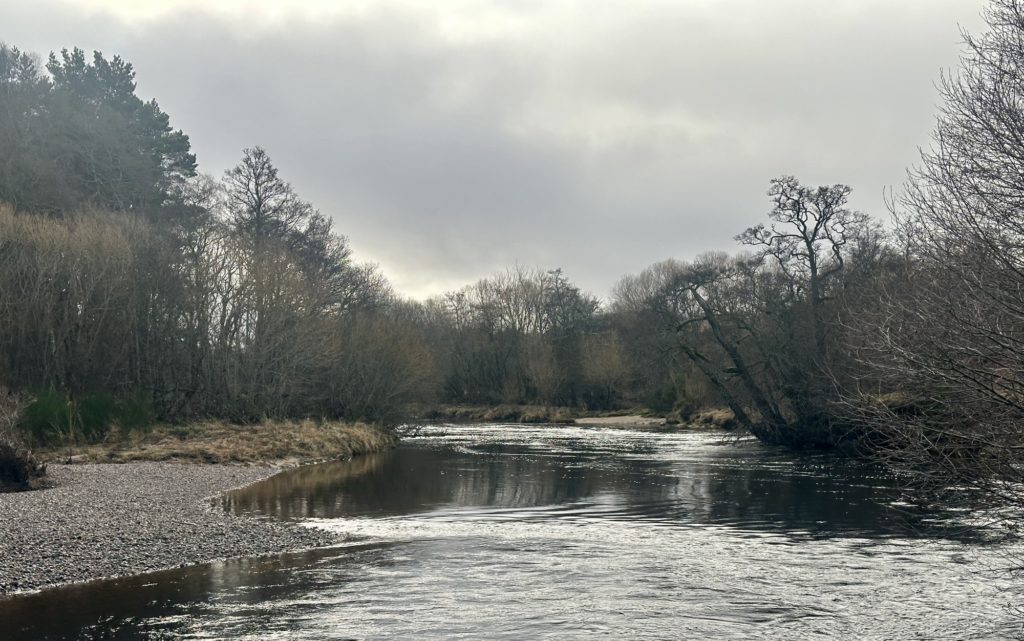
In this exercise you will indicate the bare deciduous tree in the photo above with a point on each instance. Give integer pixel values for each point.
(949, 332)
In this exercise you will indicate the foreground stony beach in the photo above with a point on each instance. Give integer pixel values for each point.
(115, 519)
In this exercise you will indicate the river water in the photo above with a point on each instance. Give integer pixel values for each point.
(490, 532)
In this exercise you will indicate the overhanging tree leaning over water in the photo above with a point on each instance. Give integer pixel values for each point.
(763, 327)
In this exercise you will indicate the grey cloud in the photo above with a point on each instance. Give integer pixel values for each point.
(606, 139)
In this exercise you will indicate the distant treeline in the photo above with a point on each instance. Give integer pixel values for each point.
(133, 287)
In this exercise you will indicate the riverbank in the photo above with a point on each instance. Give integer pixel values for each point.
(637, 417)
(278, 443)
(103, 520)
(506, 413)
(142, 502)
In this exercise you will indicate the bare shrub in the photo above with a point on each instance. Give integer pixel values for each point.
(948, 329)
(18, 468)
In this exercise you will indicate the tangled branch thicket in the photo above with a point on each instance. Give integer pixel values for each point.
(948, 332)
(18, 468)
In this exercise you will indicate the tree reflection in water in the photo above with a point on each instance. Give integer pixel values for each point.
(736, 484)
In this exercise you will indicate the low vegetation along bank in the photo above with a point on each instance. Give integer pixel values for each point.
(538, 414)
(278, 443)
(508, 413)
(152, 509)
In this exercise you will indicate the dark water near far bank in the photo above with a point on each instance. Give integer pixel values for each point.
(568, 533)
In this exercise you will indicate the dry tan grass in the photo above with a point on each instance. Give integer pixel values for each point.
(274, 442)
(713, 418)
(501, 414)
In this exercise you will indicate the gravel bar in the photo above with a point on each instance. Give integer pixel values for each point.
(116, 519)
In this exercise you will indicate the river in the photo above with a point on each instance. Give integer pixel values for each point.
(513, 532)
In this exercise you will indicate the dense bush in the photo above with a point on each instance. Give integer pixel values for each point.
(47, 419)
(53, 417)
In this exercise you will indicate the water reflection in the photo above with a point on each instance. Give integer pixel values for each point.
(574, 477)
(165, 604)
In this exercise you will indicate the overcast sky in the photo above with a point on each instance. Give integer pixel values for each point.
(451, 138)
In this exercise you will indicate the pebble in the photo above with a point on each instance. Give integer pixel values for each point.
(106, 520)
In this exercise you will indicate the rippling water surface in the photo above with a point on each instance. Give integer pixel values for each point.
(570, 533)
